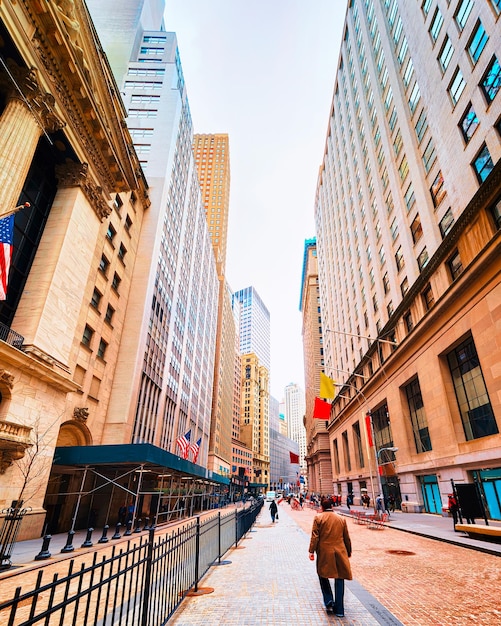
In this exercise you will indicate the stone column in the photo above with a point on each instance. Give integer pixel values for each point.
(29, 112)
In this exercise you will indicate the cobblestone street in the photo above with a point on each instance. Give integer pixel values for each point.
(437, 584)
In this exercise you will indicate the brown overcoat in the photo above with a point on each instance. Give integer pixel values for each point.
(330, 539)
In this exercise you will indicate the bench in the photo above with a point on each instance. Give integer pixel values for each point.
(479, 531)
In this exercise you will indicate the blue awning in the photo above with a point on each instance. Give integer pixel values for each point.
(133, 454)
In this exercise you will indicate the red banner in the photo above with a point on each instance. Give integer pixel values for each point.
(369, 429)
(322, 409)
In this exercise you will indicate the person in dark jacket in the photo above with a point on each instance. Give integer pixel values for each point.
(273, 510)
(331, 541)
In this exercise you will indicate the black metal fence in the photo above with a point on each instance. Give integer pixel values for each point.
(9, 530)
(139, 583)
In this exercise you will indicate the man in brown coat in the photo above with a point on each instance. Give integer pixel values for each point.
(330, 539)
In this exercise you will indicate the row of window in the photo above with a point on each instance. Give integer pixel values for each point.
(473, 404)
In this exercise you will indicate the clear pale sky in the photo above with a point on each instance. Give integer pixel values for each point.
(263, 71)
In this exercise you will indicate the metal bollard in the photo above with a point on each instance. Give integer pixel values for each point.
(138, 526)
(69, 542)
(129, 529)
(117, 534)
(146, 524)
(44, 552)
(88, 541)
(104, 538)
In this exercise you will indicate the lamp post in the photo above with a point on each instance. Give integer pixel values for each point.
(378, 452)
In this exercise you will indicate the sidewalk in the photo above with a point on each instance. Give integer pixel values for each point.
(269, 580)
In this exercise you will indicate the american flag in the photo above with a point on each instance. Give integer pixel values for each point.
(6, 235)
(184, 443)
(194, 448)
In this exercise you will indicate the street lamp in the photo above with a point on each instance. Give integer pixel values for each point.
(378, 452)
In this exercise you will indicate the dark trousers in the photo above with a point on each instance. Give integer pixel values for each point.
(336, 601)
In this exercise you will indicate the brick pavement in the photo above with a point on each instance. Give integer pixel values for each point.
(438, 584)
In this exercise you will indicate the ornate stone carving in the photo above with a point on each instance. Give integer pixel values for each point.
(76, 174)
(22, 84)
(81, 413)
(7, 378)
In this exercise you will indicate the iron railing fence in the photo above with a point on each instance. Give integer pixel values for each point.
(140, 583)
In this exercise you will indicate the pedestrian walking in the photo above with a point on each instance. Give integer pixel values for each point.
(453, 508)
(330, 539)
(380, 506)
(273, 511)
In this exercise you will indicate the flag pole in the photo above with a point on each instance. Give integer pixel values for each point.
(26, 205)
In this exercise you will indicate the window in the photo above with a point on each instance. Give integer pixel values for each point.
(87, 335)
(397, 143)
(386, 282)
(429, 156)
(102, 349)
(477, 42)
(483, 164)
(117, 202)
(128, 223)
(425, 7)
(409, 73)
(456, 86)
(403, 169)
(116, 281)
(374, 303)
(492, 80)
(110, 311)
(389, 308)
(496, 5)
(455, 266)
(418, 417)
(428, 299)
(96, 298)
(421, 126)
(409, 324)
(469, 123)
(423, 259)
(471, 393)
(414, 99)
(409, 198)
(382, 256)
(436, 25)
(122, 251)
(399, 259)
(404, 286)
(445, 55)
(496, 214)
(463, 13)
(104, 265)
(437, 190)
(110, 234)
(394, 229)
(416, 229)
(446, 222)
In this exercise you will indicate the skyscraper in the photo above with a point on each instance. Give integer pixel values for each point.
(408, 214)
(164, 376)
(294, 414)
(254, 325)
(318, 459)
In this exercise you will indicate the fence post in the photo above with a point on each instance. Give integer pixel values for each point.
(44, 552)
(197, 553)
(147, 578)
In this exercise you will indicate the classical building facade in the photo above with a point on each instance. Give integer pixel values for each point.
(317, 457)
(408, 236)
(67, 159)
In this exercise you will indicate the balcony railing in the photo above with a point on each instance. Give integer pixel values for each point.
(11, 337)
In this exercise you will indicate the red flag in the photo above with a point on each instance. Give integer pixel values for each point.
(6, 235)
(322, 409)
(294, 457)
(369, 430)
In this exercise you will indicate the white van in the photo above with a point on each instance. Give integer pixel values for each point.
(270, 495)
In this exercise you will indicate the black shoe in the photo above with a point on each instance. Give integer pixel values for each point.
(329, 608)
(339, 614)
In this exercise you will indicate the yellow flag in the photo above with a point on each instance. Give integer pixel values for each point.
(327, 387)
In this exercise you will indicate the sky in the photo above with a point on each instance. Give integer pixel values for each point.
(263, 71)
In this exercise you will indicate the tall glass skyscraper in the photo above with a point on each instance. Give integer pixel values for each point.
(254, 325)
